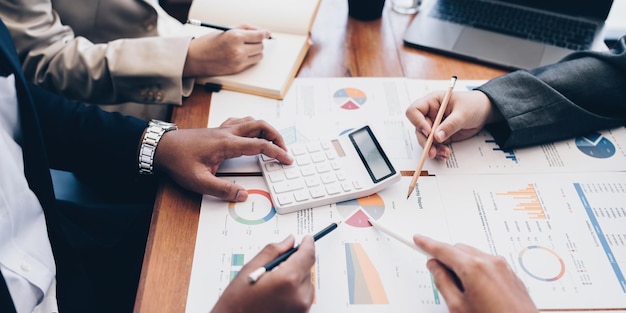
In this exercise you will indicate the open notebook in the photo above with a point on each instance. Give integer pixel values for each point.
(290, 23)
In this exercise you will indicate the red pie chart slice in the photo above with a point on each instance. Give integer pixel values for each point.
(355, 212)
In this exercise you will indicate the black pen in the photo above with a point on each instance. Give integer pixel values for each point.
(205, 24)
(254, 276)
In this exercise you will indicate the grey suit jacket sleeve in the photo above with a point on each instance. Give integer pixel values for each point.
(584, 92)
(102, 52)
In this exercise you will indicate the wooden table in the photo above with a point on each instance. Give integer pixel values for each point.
(343, 47)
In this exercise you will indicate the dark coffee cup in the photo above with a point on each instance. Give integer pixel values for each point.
(365, 10)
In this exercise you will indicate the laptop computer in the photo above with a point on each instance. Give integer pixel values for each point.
(513, 34)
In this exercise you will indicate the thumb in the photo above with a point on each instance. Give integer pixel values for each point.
(450, 125)
(223, 189)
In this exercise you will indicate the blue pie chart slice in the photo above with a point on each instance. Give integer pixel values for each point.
(595, 146)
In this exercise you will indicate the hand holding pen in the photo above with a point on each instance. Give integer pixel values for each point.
(254, 276)
(231, 52)
(489, 285)
(287, 289)
(389, 232)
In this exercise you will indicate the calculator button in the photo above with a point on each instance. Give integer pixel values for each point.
(301, 195)
(276, 176)
(307, 170)
(326, 145)
(298, 150)
(272, 166)
(328, 178)
(317, 192)
(292, 173)
(346, 186)
(285, 199)
(335, 165)
(313, 147)
(340, 175)
(290, 166)
(333, 189)
(318, 157)
(322, 167)
(357, 184)
(330, 155)
(303, 160)
(312, 181)
(288, 186)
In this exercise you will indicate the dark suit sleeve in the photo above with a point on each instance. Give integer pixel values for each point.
(583, 93)
(81, 138)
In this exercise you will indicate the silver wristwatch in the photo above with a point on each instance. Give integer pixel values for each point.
(151, 139)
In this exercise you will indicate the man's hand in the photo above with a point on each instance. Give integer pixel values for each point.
(288, 288)
(489, 284)
(191, 156)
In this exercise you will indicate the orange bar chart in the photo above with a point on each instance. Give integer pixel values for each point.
(527, 201)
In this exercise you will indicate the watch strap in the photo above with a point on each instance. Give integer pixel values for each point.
(151, 138)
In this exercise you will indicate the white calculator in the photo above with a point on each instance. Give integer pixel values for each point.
(350, 166)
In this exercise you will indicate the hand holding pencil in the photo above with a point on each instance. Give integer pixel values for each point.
(431, 135)
(466, 114)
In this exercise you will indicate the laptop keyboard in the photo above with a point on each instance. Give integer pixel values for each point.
(526, 24)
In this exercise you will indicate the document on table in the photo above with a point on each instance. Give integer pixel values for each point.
(562, 233)
(595, 152)
(317, 108)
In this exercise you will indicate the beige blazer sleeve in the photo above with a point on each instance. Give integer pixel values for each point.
(100, 51)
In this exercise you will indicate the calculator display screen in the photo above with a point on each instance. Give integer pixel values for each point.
(372, 154)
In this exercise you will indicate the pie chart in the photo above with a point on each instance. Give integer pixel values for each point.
(355, 212)
(541, 263)
(258, 209)
(350, 98)
(596, 146)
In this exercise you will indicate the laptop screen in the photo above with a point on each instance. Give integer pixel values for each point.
(594, 9)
